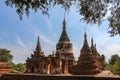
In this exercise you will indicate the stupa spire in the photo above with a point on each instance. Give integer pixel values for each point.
(85, 45)
(38, 46)
(95, 47)
(64, 36)
(64, 24)
(92, 43)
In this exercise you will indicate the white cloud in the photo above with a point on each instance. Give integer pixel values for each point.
(20, 42)
(111, 49)
(76, 51)
(36, 30)
(45, 38)
(50, 26)
(19, 54)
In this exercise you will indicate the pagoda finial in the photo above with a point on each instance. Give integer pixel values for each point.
(95, 47)
(85, 39)
(38, 47)
(53, 53)
(38, 38)
(85, 45)
(64, 23)
(85, 36)
(92, 42)
(85, 32)
(64, 36)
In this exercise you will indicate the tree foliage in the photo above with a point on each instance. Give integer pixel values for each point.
(5, 55)
(114, 64)
(18, 67)
(113, 59)
(92, 11)
(117, 66)
(21, 67)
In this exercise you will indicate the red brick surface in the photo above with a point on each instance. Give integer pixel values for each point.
(5, 68)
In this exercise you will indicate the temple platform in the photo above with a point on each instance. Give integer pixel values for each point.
(29, 76)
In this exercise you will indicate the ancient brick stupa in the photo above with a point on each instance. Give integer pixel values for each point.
(64, 46)
(89, 61)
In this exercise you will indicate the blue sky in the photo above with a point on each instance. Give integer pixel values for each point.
(21, 36)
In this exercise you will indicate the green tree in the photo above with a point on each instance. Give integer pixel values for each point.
(13, 66)
(18, 67)
(5, 55)
(114, 64)
(92, 11)
(21, 67)
(117, 67)
(113, 59)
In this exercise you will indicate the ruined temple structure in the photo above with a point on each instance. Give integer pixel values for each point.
(5, 67)
(62, 61)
